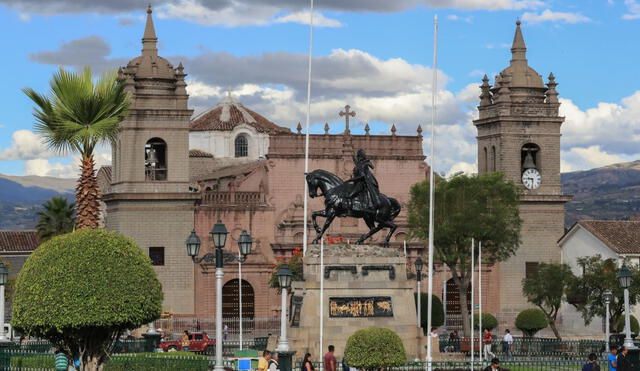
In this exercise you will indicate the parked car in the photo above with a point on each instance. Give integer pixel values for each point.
(198, 342)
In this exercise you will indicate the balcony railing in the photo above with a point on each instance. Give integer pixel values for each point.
(225, 198)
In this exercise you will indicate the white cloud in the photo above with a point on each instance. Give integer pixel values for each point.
(551, 16)
(633, 9)
(25, 145)
(24, 17)
(455, 17)
(303, 17)
(237, 14)
(45, 167)
(464, 167)
(580, 158)
(496, 46)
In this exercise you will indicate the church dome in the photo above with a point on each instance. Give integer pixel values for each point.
(228, 114)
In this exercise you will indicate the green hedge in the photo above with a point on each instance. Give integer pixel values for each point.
(618, 327)
(530, 321)
(488, 321)
(374, 348)
(125, 362)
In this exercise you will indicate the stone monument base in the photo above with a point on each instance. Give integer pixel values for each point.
(364, 286)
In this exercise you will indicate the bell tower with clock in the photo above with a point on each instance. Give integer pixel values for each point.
(519, 135)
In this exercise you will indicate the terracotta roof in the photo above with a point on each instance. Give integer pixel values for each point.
(233, 170)
(621, 236)
(230, 113)
(199, 153)
(18, 241)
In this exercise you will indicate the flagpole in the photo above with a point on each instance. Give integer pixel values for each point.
(431, 187)
(306, 137)
(321, 274)
(473, 332)
(480, 297)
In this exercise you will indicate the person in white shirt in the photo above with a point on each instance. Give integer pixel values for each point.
(273, 362)
(507, 341)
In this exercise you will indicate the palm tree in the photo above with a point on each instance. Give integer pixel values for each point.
(56, 218)
(77, 116)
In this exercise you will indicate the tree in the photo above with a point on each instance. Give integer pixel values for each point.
(57, 218)
(546, 288)
(489, 321)
(77, 116)
(481, 207)
(437, 311)
(295, 264)
(530, 321)
(80, 290)
(374, 348)
(599, 275)
(619, 325)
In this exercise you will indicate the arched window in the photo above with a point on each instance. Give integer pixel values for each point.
(485, 165)
(242, 146)
(494, 160)
(155, 159)
(454, 307)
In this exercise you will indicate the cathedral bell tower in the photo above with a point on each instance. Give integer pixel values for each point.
(519, 135)
(149, 198)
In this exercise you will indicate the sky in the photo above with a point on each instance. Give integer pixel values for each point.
(375, 55)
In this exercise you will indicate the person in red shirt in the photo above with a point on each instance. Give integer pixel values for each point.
(486, 344)
(330, 363)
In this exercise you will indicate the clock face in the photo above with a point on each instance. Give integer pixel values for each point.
(531, 178)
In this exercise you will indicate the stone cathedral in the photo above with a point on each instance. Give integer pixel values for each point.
(172, 173)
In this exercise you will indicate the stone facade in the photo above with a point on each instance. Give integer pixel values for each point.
(519, 124)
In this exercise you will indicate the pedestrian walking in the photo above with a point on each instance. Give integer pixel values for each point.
(592, 363)
(306, 363)
(486, 342)
(184, 341)
(273, 362)
(225, 332)
(330, 363)
(612, 359)
(624, 364)
(507, 341)
(263, 363)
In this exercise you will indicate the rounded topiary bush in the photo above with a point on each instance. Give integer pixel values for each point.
(437, 310)
(618, 326)
(79, 290)
(530, 321)
(373, 348)
(489, 322)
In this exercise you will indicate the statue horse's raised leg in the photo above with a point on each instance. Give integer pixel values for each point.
(330, 215)
(314, 215)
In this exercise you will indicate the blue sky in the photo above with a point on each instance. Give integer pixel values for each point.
(373, 54)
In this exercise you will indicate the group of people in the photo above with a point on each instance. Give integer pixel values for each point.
(269, 361)
(617, 360)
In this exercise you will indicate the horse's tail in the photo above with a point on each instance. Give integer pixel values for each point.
(394, 208)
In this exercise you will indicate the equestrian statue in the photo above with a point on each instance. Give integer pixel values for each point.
(358, 197)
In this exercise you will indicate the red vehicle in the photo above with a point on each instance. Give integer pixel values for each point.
(198, 342)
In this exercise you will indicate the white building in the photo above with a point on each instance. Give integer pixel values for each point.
(611, 239)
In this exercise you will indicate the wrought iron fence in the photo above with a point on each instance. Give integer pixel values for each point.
(528, 348)
(530, 365)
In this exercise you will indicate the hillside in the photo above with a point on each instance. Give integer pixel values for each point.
(610, 192)
(22, 196)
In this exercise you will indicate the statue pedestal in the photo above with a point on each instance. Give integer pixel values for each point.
(364, 286)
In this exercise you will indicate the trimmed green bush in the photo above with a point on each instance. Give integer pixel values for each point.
(32, 361)
(437, 311)
(530, 321)
(618, 326)
(489, 322)
(157, 361)
(373, 348)
(79, 290)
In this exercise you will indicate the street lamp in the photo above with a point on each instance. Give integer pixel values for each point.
(219, 238)
(607, 296)
(624, 277)
(4, 275)
(419, 266)
(284, 279)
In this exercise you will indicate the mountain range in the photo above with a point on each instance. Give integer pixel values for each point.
(609, 192)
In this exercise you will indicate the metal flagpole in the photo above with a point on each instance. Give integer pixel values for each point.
(480, 296)
(240, 292)
(306, 137)
(431, 187)
(321, 274)
(473, 332)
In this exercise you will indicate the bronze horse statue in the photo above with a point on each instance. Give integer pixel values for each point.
(337, 203)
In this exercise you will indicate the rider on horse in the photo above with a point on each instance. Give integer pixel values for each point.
(363, 180)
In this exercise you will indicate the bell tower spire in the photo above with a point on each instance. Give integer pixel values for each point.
(518, 49)
(149, 39)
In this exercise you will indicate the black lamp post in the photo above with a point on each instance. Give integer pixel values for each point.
(624, 277)
(419, 264)
(606, 297)
(4, 277)
(219, 237)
